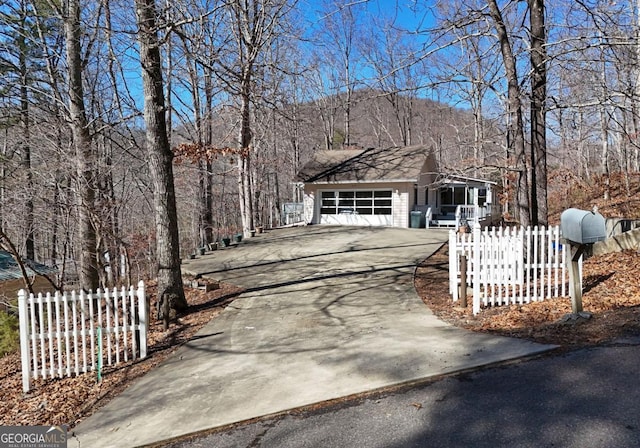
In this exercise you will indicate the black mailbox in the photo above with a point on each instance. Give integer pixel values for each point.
(581, 226)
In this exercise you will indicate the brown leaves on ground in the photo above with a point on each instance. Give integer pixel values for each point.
(611, 292)
(69, 400)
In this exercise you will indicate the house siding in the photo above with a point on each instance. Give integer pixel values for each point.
(309, 206)
(401, 200)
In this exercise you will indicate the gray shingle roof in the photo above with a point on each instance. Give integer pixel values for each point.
(9, 269)
(389, 164)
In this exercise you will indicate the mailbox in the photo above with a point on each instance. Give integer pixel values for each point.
(581, 226)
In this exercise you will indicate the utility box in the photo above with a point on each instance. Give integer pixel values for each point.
(582, 226)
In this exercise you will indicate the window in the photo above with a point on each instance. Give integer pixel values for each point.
(346, 202)
(382, 202)
(453, 196)
(328, 204)
(482, 196)
(372, 202)
(459, 195)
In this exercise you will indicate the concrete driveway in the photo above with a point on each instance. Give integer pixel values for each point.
(328, 312)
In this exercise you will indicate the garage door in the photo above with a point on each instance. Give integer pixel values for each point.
(356, 207)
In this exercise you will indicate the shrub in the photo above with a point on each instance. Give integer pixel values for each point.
(9, 336)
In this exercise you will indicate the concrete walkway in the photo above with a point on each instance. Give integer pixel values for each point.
(329, 312)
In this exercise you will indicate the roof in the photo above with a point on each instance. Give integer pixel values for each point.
(9, 269)
(394, 164)
(452, 178)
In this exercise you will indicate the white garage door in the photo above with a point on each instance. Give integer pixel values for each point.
(356, 207)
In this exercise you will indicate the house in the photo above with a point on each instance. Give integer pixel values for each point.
(11, 280)
(396, 187)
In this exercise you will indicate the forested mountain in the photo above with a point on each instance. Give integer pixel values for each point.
(380, 120)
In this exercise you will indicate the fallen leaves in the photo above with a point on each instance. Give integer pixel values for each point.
(66, 401)
(611, 295)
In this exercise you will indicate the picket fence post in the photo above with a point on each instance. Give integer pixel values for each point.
(142, 312)
(24, 339)
(476, 268)
(453, 266)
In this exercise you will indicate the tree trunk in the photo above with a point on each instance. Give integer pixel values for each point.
(244, 156)
(170, 286)
(604, 128)
(515, 127)
(25, 149)
(539, 209)
(83, 149)
(26, 154)
(208, 136)
(635, 103)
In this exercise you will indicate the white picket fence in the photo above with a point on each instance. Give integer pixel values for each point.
(72, 333)
(509, 265)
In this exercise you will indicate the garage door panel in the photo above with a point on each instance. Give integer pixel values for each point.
(356, 207)
(356, 220)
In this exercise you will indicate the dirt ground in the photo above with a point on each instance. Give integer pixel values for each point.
(612, 295)
(67, 401)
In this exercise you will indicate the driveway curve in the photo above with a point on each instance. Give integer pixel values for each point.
(328, 312)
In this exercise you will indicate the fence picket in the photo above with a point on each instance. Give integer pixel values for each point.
(24, 338)
(73, 321)
(74, 314)
(507, 266)
(124, 295)
(67, 345)
(83, 331)
(50, 336)
(56, 301)
(116, 318)
(92, 330)
(107, 329)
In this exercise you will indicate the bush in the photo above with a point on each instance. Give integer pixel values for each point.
(9, 336)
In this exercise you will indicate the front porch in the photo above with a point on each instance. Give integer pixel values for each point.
(457, 201)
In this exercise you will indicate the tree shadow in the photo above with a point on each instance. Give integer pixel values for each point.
(591, 281)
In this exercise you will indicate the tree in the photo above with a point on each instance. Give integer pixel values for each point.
(85, 181)
(339, 34)
(539, 209)
(254, 24)
(19, 65)
(170, 288)
(515, 125)
(396, 75)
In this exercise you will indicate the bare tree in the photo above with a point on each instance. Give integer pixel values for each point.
(339, 34)
(515, 124)
(253, 24)
(539, 208)
(85, 180)
(170, 288)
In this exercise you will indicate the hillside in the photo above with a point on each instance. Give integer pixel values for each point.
(567, 189)
(612, 295)
(611, 291)
(379, 121)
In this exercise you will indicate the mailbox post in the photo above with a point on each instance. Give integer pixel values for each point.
(580, 228)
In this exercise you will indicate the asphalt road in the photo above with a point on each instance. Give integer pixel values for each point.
(585, 398)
